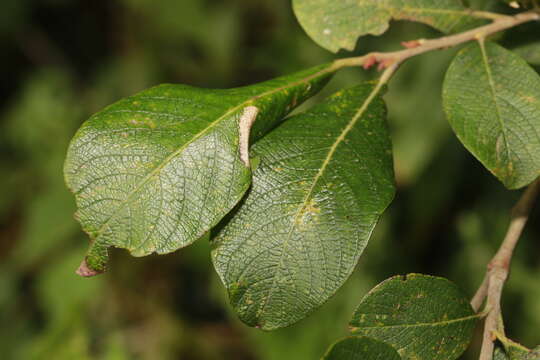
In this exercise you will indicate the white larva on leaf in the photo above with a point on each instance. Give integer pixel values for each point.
(246, 121)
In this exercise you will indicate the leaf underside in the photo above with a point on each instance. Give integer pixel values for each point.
(324, 178)
(422, 317)
(338, 24)
(361, 348)
(155, 171)
(492, 100)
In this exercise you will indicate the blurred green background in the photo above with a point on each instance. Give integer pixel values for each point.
(63, 60)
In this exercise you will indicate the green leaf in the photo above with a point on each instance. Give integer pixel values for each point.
(516, 351)
(324, 178)
(155, 171)
(492, 100)
(422, 317)
(529, 52)
(337, 24)
(361, 348)
(499, 354)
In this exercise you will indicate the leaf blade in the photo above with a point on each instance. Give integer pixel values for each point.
(338, 24)
(422, 317)
(530, 52)
(360, 348)
(275, 277)
(512, 350)
(492, 100)
(155, 171)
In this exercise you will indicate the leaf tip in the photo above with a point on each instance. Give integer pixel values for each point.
(85, 270)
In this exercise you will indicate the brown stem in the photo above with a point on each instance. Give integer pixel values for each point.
(386, 59)
(497, 273)
(498, 268)
(480, 295)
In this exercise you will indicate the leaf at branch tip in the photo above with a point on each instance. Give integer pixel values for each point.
(422, 317)
(515, 351)
(337, 24)
(499, 354)
(324, 178)
(492, 100)
(155, 171)
(515, 354)
(361, 348)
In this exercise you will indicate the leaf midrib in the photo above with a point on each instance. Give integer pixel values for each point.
(491, 83)
(316, 179)
(432, 324)
(197, 136)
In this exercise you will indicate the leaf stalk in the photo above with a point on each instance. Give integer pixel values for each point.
(498, 269)
(386, 59)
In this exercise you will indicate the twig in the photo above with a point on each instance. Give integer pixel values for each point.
(497, 273)
(498, 268)
(421, 46)
(480, 295)
(391, 61)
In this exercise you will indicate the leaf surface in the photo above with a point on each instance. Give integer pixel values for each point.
(337, 24)
(515, 351)
(361, 348)
(324, 178)
(529, 52)
(516, 354)
(499, 354)
(422, 317)
(492, 100)
(155, 171)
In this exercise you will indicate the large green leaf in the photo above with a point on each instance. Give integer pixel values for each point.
(422, 317)
(325, 177)
(155, 171)
(361, 348)
(492, 100)
(338, 24)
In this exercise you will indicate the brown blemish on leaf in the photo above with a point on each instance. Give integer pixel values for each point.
(86, 271)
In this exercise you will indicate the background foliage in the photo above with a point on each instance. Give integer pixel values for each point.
(64, 60)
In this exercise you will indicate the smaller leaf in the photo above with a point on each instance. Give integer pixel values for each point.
(422, 317)
(516, 351)
(337, 24)
(361, 348)
(530, 52)
(491, 97)
(499, 354)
